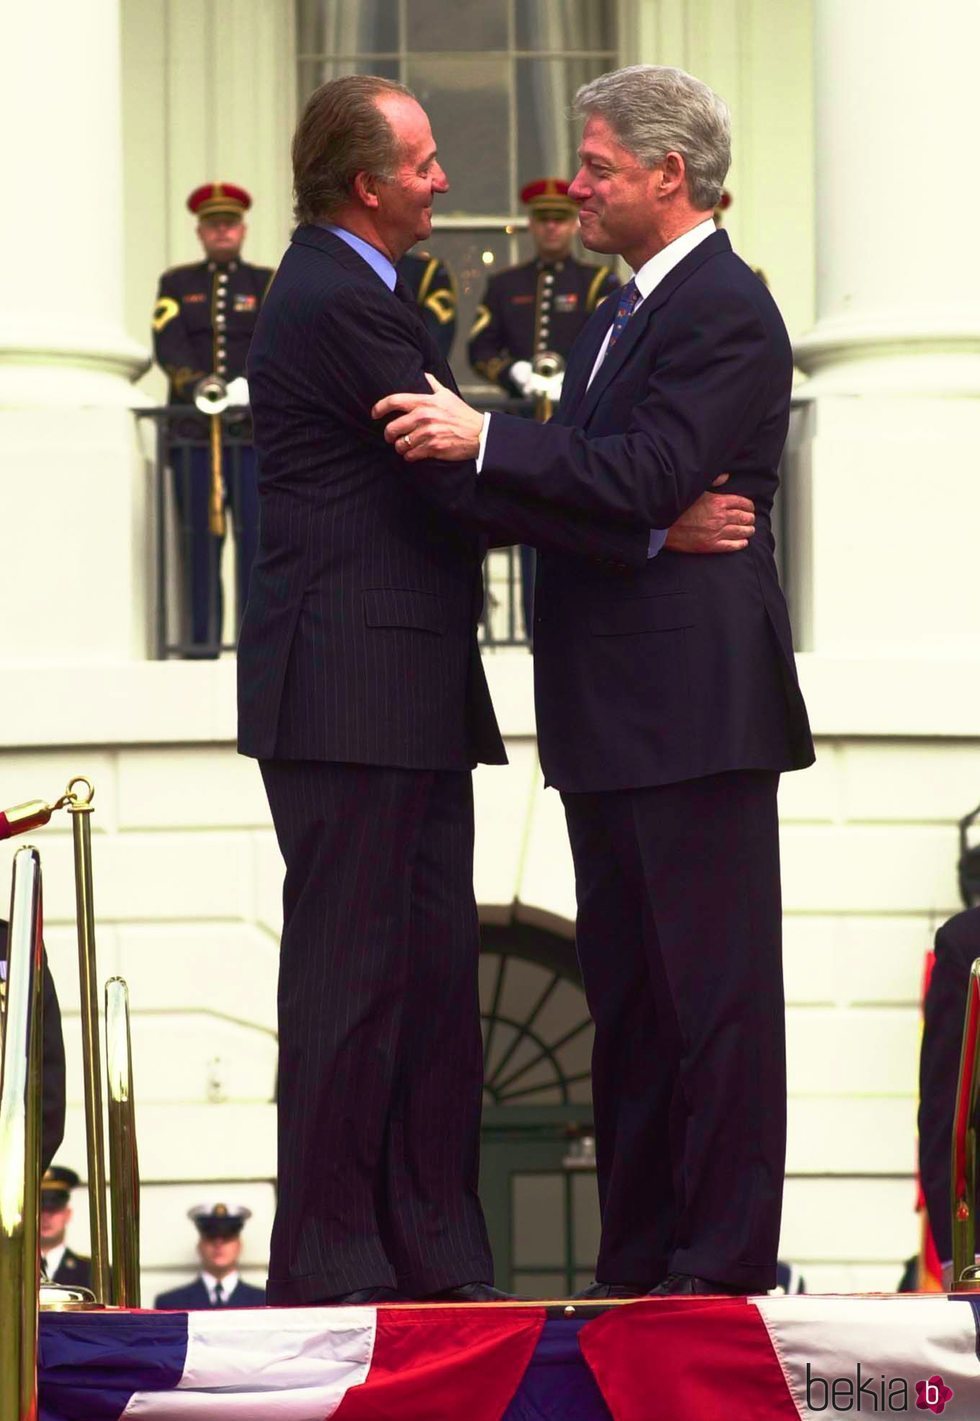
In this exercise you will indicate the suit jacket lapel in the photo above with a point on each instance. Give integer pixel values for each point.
(641, 322)
(614, 360)
(583, 358)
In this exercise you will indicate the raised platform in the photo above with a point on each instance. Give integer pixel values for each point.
(685, 1359)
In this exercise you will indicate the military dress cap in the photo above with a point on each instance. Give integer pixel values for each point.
(213, 198)
(548, 197)
(219, 1220)
(57, 1183)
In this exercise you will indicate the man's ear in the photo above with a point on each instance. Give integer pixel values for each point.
(673, 171)
(366, 189)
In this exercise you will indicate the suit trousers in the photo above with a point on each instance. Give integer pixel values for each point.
(679, 940)
(380, 1056)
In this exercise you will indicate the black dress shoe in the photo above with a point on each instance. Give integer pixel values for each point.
(599, 1292)
(362, 1297)
(471, 1293)
(680, 1285)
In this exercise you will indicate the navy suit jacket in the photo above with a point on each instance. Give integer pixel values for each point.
(683, 667)
(359, 638)
(194, 1296)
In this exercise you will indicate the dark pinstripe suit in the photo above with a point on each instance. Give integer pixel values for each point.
(361, 692)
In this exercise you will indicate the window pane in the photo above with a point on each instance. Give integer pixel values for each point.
(314, 72)
(547, 137)
(565, 24)
(466, 100)
(464, 25)
(346, 27)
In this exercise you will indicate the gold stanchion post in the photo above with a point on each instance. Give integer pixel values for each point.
(20, 1145)
(123, 1158)
(964, 1146)
(80, 809)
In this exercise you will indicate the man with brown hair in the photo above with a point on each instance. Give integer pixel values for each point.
(362, 695)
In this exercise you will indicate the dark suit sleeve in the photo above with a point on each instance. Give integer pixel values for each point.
(703, 396)
(957, 944)
(367, 349)
(171, 344)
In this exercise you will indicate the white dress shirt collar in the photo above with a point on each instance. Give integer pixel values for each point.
(652, 272)
(52, 1259)
(228, 1284)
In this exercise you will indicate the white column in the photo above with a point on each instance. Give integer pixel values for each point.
(72, 533)
(889, 436)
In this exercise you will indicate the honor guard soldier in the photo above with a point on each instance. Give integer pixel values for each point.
(534, 309)
(430, 282)
(219, 1247)
(61, 1265)
(202, 326)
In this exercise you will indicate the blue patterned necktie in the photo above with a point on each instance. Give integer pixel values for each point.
(628, 298)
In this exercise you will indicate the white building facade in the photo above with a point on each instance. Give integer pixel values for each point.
(850, 184)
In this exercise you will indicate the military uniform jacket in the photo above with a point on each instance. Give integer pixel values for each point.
(428, 279)
(532, 308)
(73, 1271)
(195, 1296)
(203, 322)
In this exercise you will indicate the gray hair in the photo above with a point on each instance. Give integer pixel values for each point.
(654, 110)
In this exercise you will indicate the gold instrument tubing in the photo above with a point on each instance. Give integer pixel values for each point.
(216, 500)
(80, 809)
(546, 363)
(124, 1191)
(20, 1145)
(964, 1145)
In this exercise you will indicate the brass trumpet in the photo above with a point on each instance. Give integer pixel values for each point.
(211, 398)
(547, 363)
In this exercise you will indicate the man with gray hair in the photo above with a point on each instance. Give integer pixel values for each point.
(667, 697)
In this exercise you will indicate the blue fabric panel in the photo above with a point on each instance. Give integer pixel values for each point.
(91, 1363)
(558, 1385)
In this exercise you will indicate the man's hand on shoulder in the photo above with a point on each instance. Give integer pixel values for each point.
(436, 426)
(716, 523)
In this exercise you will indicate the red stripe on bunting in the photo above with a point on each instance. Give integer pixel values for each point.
(445, 1364)
(687, 1359)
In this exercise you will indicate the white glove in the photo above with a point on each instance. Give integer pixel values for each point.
(238, 391)
(521, 374)
(554, 387)
(537, 385)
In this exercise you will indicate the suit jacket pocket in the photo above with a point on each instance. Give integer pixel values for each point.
(668, 612)
(404, 607)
